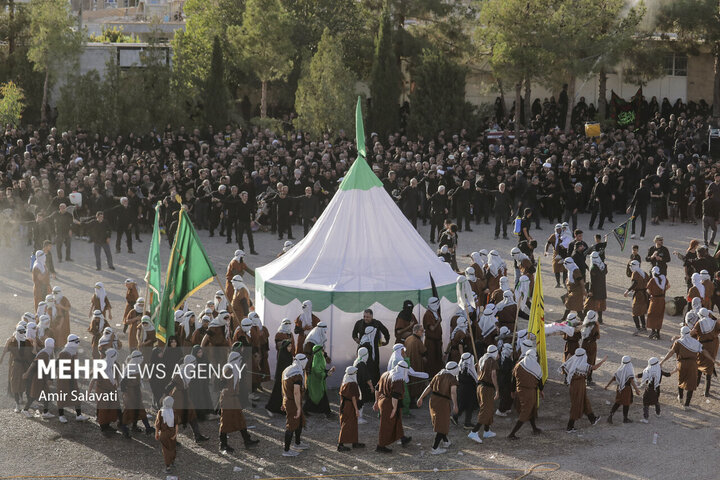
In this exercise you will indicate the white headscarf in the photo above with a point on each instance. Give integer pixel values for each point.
(434, 306)
(689, 342)
(506, 351)
(40, 261)
(220, 301)
(369, 337)
(450, 367)
(691, 318)
(625, 372)
(306, 314)
(20, 334)
(167, 411)
(350, 375)
(147, 326)
(496, 265)
(72, 345)
(467, 365)
(522, 292)
(492, 352)
(396, 356)
(558, 235)
(187, 369)
(57, 294)
(238, 284)
(464, 293)
(100, 293)
(697, 282)
(706, 322)
(596, 260)
(530, 364)
(255, 319)
(507, 301)
(50, 305)
(660, 280)
(566, 237)
(43, 325)
(652, 373)
(107, 337)
(133, 362)
(635, 267)
(139, 306)
(705, 275)
(518, 255)
(246, 327)
(575, 364)
(696, 304)
(488, 320)
(588, 323)
(362, 356)
(296, 368)
(461, 326)
(401, 372)
(527, 344)
(49, 347)
(285, 326)
(41, 309)
(235, 364)
(31, 331)
(478, 259)
(110, 358)
(470, 274)
(318, 335)
(504, 283)
(570, 266)
(185, 321)
(239, 254)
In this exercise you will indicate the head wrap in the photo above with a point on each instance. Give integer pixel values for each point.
(285, 326)
(596, 260)
(496, 265)
(401, 372)
(306, 314)
(101, 295)
(575, 364)
(530, 364)
(167, 411)
(350, 375)
(317, 335)
(492, 352)
(660, 279)
(296, 368)
(625, 372)
(72, 345)
(570, 266)
(635, 267)
(689, 342)
(467, 365)
(470, 274)
(652, 373)
(697, 282)
(39, 261)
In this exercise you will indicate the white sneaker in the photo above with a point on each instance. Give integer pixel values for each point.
(489, 434)
(16, 410)
(632, 235)
(642, 238)
(474, 437)
(361, 421)
(82, 418)
(290, 453)
(47, 415)
(26, 413)
(446, 444)
(300, 446)
(438, 451)
(500, 414)
(643, 420)
(62, 419)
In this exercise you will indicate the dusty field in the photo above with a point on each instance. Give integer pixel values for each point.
(37, 447)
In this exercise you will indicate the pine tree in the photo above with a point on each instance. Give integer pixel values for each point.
(324, 97)
(385, 82)
(215, 96)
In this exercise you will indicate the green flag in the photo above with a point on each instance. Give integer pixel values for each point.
(359, 130)
(621, 233)
(152, 273)
(189, 270)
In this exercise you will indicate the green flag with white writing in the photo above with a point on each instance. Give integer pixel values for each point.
(189, 270)
(152, 272)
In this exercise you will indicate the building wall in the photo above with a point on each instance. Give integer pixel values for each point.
(701, 75)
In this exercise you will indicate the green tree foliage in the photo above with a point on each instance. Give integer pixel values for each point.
(113, 35)
(192, 47)
(53, 42)
(263, 43)
(12, 103)
(385, 82)
(215, 94)
(325, 93)
(438, 101)
(696, 23)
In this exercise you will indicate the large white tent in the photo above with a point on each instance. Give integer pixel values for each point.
(362, 253)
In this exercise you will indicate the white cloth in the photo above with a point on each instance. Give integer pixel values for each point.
(401, 371)
(465, 296)
(306, 314)
(362, 356)
(697, 282)
(350, 375)
(530, 364)
(110, 358)
(187, 369)
(492, 352)
(652, 373)
(296, 368)
(167, 411)
(624, 372)
(220, 304)
(660, 279)
(396, 356)
(575, 364)
(318, 335)
(689, 342)
(39, 261)
(467, 365)
(487, 322)
(635, 267)
(496, 265)
(285, 326)
(102, 296)
(570, 266)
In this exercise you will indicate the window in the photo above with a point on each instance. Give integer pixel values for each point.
(676, 65)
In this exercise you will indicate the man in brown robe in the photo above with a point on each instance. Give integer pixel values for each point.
(443, 403)
(706, 330)
(166, 430)
(131, 296)
(39, 383)
(237, 266)
(132, 322)
(527, 374)
(657, 285)
(99, 301)
(305, 322)
(232, 418)
(405, 322)
(349, 412)
(641, 301)
(97, 325)
(61, 319)
(416, 351)
(687, 349)
(388, 398)
(21, 355)
(131, 388)
(432, 325)
(293, 388)
(575, 296)
(576, 369)
(487, 393)
(67, 384)
(597, 296)
(183, 406)
(241, 302)
(41, 278)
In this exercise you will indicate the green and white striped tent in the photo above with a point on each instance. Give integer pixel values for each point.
(362, 253)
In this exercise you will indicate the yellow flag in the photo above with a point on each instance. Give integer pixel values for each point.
(536, 325)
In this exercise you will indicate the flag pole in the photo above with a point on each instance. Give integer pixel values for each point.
(472, 337)
(229, 300)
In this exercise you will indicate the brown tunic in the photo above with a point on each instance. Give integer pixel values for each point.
(280, 337)
(348, 416)
(232, 418)
(241, 304)
(597, 297)
(67, 385)
(20, 358)
(391, 428)
(506, 317)
(557, 261)
(486, 392)
(441, 401)
(131, 297)
(301, 336)
(493, 281)
(526, 385)
(416, 351)
(146, 346)
(233, 268)
(575, 292)
(167, 442)
(687, 365)
(641, 300)
(456, 347)
(710, 344)
(197, 336)
(132, 319)
(132, 399)
(405, 326)
(288, 390)
(183, 337)
(624, 396)
(38, 386)
(183, 406)
(97, 325)
(41, 285)
(579, 401)
(572, 343)
(95, 305)
(590, 344)
(107, 410)
(479, 286)
(656, 310)
(61, 321)
(433, 343)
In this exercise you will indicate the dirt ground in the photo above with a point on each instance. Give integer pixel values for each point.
(34, 447)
